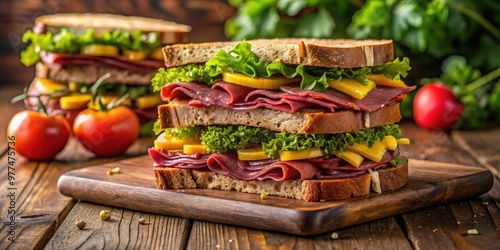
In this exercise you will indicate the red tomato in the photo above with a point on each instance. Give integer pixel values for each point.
(107, 133)
(436, 107)
(38, 136)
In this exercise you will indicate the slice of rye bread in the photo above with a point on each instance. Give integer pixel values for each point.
(78, 23)
(330, 53)
(178, 114)
(89, 74)
(310, 190)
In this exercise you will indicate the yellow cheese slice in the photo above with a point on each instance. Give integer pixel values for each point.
(168, 142)
(390, 142)
(47, 86)
(148, 101)
(380, 79)
(134, 55)
(157, 54)
(403, 141)
(99, 50)
(300, 154)
(194, 149)
(375, 153)
(351, 157)
(251, 154)
(273, 82)
(73, 102)
(352, 87)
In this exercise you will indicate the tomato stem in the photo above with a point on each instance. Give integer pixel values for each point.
(94, 94)
(41, 105)
(95, 97)
(20, 97)
(112, 105)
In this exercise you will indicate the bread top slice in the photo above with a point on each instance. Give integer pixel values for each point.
(78, 23)
(330, 53)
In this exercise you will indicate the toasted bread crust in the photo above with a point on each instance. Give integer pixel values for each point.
(309, 190)
(329, 53)
(392, 178)
(78, 23)
(89, 74)
(178, 114)
(175, 178)
(336, 189)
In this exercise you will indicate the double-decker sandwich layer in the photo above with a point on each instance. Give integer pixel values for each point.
(71, 51)
(309, 119)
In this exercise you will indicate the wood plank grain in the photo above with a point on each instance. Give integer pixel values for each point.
(432, 145)
(430, 183)
(482, 145)
(121, 231)
(381, 234)
(436, 227)
(426, 232)
(39, 207)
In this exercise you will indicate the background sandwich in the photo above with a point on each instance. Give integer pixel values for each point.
(303, 118)
(71, 51)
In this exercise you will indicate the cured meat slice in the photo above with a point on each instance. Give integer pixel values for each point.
(273, 169)
(229, 165)
(288, 98)
(374, 100)
(178, 160)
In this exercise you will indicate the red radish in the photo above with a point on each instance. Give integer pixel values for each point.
(435, 107)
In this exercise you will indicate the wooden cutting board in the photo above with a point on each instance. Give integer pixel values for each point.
(134, 188)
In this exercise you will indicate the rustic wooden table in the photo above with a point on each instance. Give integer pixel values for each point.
(44, 218)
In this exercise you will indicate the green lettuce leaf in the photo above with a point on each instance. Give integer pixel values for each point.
(221, 139)
(393, 70)
(67, 42)
(241, 59)
(188, 73)
(157, 127)
(183, 133)
(328, 143)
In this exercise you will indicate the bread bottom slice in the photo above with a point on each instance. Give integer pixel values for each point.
(381, 180)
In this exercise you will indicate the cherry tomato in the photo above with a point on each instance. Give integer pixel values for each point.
(106, 133)
(436, 107)
(38, 136)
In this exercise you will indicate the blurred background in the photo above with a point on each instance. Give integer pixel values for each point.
(206, 17)
(456, 42)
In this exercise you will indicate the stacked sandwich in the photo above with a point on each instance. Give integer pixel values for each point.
(309, 119)
(72, 51)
